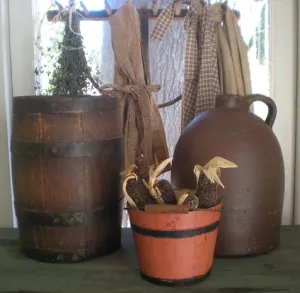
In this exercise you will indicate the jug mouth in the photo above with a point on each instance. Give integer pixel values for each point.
(232, 101)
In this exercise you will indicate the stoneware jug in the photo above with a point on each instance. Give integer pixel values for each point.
(253, 193)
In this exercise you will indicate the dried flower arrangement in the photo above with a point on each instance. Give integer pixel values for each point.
(142, 188)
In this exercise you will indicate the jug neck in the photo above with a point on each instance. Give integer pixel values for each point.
(232, 101)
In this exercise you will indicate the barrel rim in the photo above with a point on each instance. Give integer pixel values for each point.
(65, 142)
(41, 97)
(64, 104)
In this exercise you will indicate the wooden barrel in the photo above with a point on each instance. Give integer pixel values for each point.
(67, 155)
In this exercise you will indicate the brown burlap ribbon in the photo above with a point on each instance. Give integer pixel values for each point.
(143, 126)
(136, 118)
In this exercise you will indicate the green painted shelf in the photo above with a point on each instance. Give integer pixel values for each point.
(278, 271)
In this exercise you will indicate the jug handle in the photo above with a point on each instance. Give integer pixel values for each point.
(272, 109)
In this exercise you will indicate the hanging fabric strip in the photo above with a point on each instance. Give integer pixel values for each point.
(143, 126)
(163, 22)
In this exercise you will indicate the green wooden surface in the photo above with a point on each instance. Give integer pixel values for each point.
(278, 271)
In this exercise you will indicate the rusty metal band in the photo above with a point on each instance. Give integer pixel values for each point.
(78, 255)
(175, 234)
(64, 104)
(68, 149)
(26, 217)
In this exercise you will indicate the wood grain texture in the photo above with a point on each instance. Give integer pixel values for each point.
(276, 272)
(67, 155)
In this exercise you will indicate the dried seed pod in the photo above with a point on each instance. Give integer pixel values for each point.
(207, 192)
(167, 191)
(192, 201)
(136, 193)
(143, 167)
(208, 179)
(134, 190)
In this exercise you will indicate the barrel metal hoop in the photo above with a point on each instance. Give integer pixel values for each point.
(66, 219)
(64, 104)
(175, 234)
(77, 255)
(65, 149)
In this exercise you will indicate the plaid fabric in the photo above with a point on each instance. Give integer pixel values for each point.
(208, 79)
(201, 80)
(163, 22)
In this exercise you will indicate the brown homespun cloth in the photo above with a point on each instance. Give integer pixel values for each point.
(239, 55)
(201, 80)
(143, 127)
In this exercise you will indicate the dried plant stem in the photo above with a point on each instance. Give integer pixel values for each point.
(154, 192)
(181, 199)
(153, 174)
(124, 186)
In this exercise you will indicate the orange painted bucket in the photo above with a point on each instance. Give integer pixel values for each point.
(175, 249)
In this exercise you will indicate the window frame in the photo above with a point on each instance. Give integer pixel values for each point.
(15, 79)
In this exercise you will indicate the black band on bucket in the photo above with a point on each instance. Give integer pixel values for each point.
(177, 282)
(175, 234)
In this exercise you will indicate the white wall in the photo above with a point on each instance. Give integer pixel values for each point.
(283, 68)
(6, 218)
(297, 106)
(22, 31)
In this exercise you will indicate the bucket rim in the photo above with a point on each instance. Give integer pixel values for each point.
(218, 208)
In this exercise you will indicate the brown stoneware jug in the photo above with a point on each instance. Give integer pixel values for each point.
(253, 193)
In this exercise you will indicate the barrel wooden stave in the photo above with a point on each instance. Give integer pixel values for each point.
(80, 156)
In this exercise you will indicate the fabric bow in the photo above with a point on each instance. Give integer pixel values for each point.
(137, 118)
